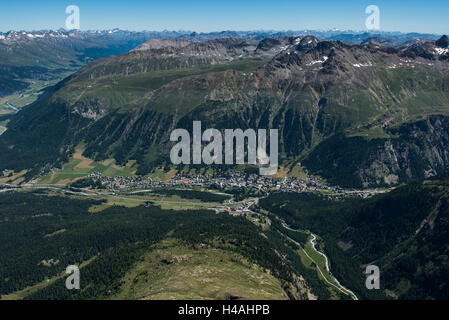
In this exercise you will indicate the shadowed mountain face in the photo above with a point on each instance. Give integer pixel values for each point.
(443, 42)
(360, 115)
(430, 50)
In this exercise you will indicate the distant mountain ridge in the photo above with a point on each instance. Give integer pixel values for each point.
(349, 36)
(48, 54)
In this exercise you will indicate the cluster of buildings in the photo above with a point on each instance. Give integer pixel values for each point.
(127, 183)
(227, 181)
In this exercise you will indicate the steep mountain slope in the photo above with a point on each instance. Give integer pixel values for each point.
(313, 91)
(404, 233)
(437, 50)
(413, 150)
(195, 54)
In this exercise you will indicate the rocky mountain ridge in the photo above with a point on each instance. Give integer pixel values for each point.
(313, 91)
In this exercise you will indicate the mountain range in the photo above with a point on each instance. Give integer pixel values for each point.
(50, 54)
(360, 110)
(386, 107)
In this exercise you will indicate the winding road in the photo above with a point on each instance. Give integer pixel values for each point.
(313, 243)
(2, 128)
(339, 286)
(12, 107)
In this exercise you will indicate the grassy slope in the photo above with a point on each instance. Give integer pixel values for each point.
(117, 91)
(173, 271)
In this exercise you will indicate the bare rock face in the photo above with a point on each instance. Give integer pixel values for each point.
(163, 43)
(419, 150)
(172, 54)
(429, 50)
(89, 108)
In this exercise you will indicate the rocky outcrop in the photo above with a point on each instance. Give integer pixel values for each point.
(163, 43)
(419, 150)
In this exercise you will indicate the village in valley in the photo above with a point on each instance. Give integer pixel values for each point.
(240, 190)
(231, 180)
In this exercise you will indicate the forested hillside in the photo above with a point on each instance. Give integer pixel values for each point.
(404, 232)
(41, 234)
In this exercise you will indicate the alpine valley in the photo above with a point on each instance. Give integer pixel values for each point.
(385, 108)
(86, 176)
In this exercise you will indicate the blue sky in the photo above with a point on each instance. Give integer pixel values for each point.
(215, 15)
